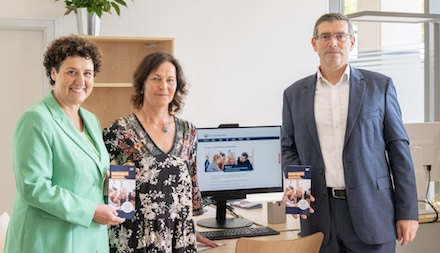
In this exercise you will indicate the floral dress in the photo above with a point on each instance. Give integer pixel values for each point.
(166, 190)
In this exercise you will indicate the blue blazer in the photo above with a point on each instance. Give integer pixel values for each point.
(378, 168)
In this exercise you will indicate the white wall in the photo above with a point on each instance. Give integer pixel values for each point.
(237, 55)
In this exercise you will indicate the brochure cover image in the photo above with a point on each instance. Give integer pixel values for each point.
(298, 190)
(122, 190)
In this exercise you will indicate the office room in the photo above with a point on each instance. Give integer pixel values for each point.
(238, 57)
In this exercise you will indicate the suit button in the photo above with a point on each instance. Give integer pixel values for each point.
(95, 182)
(321, 171)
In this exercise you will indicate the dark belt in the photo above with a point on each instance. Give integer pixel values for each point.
(337, 193)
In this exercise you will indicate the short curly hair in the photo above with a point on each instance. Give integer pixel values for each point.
(67, 46)
(150, 63)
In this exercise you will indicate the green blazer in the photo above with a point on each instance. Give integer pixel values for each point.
(59, 180)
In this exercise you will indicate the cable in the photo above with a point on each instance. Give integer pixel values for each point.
(428, 168)
(208, 201)
(229, 208)
(435, 211)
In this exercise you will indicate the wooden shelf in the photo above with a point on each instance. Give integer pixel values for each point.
(112, 91)
(121, 55)
(112, 85)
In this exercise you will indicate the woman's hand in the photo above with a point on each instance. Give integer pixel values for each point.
(106, 215)
(206, 241)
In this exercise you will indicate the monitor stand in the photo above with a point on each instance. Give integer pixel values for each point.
(220, 221)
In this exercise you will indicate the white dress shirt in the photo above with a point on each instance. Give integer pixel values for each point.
(331, 109)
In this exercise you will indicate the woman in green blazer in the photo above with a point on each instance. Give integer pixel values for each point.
(60, 161)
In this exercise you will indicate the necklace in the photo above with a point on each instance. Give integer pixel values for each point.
(165, 125)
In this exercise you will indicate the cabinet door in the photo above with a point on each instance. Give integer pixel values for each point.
(23, 84)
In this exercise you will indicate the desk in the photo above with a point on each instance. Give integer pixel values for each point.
(288, 230)
(427, 218)
(229, 246)
(258, 216)
(425, 241)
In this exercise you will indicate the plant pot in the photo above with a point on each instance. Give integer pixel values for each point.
(88, 23)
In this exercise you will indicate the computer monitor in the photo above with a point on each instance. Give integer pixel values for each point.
(424, 141)
(235, 161)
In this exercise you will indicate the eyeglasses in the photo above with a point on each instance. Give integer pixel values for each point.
(342, 37)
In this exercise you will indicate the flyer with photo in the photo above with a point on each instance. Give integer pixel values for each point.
(122, 190)
(298, 189)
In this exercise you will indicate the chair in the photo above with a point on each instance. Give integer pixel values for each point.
(4, 221)
(307, 244)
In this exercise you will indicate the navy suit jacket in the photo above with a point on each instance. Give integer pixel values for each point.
(378, 169)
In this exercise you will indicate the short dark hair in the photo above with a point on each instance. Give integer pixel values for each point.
(68, 46)
(245, 154)
(150, 63)
(330, 17)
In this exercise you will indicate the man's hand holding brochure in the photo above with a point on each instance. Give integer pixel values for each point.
(297, 195)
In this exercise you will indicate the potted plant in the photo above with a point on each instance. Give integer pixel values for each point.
(94, 6)
(88, 13)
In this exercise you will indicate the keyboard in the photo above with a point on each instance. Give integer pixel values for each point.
(232, 233)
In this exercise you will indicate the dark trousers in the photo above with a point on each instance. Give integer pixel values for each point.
(343, 238)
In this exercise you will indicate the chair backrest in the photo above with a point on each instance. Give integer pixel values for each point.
(4, 221)
(307, 244)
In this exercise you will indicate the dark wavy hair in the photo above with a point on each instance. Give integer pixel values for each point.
(67, 46)
(150, 63)
(330, 17)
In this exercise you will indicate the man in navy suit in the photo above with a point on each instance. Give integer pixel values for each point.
(346, 123)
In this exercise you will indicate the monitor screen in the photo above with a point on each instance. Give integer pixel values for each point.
(235, 161)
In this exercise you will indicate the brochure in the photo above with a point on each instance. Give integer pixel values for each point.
(298, 190)
(122, 190)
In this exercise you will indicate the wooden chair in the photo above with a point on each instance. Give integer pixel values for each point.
(307, 244)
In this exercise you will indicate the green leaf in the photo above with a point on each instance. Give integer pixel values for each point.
(95, 6)
(95, 9)
(106, 7)
(117, 9)
(121, 2)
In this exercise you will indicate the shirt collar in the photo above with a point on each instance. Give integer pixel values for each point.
(345, 76)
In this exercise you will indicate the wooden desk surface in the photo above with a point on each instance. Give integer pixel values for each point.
(426, 218)
(258, 216)
(289, 229)
(229, 246)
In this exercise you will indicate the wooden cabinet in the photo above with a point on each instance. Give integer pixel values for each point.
(111, 95)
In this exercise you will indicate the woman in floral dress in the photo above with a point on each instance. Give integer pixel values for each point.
(162, 146)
